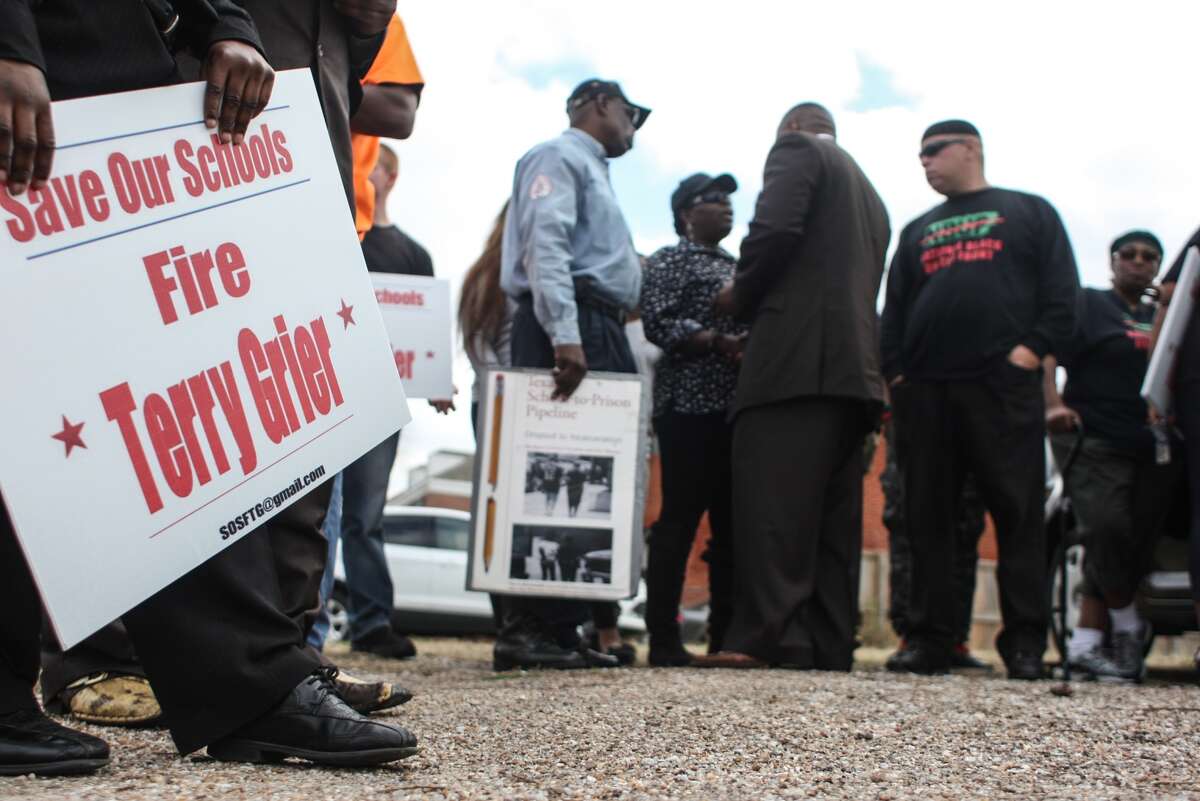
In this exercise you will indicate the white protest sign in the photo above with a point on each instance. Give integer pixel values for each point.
(191, 342)
(560, 486)
(416, 313)
(1157, 387)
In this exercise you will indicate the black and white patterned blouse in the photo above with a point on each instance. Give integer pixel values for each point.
(678, 288)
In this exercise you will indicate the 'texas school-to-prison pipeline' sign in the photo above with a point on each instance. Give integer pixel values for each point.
(191, 342)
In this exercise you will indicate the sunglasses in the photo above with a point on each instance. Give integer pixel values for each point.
(1149, 255)
(635, 114)
(933, 148)
(709, 197)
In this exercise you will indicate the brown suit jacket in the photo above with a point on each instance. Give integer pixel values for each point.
(808, 277)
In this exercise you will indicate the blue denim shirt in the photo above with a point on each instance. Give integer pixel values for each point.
(564, 223)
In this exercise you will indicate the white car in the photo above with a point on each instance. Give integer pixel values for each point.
(426, 550)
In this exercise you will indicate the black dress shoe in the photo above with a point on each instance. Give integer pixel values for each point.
(531, 651)
(1025, 666)
(924, 660)
(668, 652)
(386, 643)
(30, 742)
(962, 659)
(313, 723)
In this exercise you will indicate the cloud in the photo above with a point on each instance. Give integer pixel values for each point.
(1088, 105)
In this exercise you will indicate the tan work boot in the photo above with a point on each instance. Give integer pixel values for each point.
(109, 700)
(365, 697)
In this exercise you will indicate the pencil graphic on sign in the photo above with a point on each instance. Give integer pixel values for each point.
(489, 532)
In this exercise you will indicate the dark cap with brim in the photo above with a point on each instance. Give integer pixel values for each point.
(594, 87)
(695, 185)
(1136, 236)
(961, 127)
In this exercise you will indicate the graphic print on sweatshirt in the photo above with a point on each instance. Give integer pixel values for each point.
(960, 238)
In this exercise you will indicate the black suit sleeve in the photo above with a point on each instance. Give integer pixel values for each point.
(791, 177)
(205, 22)
(18, 33)
(1058, 287)
(895, 312)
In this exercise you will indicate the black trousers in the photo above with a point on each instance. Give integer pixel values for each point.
(299, 554)
(606, 348)
(215, 644)
(969, 528)
(1187, 413)
(993, 428)
(797, 545)
(697, 476)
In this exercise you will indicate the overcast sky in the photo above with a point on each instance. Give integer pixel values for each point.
(1092, 105)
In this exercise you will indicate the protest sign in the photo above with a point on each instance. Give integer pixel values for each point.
(416, 313)
(1157, 387)
(192, 342)
(559, 487)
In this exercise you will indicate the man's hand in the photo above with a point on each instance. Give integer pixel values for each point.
(1023, 357)
(730, 346)
(239, 86)
(1061, 419)
(897, 381)
(570, 366)
(445, 406)
(367, 17)
(723, 303)
(26, 128)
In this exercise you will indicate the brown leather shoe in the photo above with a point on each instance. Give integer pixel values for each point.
(109, 700)
(729, 659)
(365, 697)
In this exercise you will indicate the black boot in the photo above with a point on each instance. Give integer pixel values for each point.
(314, 723)
(523, 644)
(30, 742)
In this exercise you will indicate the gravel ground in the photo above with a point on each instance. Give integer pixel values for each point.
(690, 734)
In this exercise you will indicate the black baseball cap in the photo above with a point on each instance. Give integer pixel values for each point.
(593, 87)
(695, 185)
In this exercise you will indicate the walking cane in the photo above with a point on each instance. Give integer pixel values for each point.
(1064, 689)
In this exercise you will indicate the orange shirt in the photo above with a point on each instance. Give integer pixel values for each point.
(394, 63)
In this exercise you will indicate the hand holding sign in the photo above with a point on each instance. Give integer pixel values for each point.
(26, 128)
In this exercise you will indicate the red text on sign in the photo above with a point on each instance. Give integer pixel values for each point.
(195, 279)
(169, 420)
(289, 370)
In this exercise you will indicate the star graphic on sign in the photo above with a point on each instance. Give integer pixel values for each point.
(347, 315)
(69, 436)
(428, 354)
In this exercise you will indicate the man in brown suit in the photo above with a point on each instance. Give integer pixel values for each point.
(809, 390)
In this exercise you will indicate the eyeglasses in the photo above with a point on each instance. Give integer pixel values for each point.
(635, 114)
(933, 148)
(709, 197)
(1149, 255)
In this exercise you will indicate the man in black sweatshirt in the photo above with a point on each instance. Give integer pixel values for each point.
(980, 289)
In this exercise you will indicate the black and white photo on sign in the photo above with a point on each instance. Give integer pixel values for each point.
(559, 553)
(568, 485)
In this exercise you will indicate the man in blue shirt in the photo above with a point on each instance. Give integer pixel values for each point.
(568, 261)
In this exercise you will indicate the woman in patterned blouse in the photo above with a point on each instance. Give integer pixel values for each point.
(693, 388)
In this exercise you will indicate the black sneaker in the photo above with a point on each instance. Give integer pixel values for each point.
(386, 643)
(1096, 665)
(1129, 652)
(30, 742)
(1025, 666)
